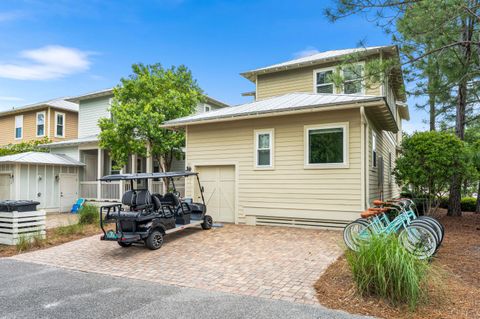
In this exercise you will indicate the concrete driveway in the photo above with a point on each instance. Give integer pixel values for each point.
(38, 291)
(270, 262)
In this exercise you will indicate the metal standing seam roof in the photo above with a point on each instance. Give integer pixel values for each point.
(283, 103)
(60, 103)
(40, 158)
(313, 59)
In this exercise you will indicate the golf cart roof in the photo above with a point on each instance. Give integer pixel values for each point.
(127, 177)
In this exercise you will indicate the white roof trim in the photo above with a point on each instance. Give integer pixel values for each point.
(40, 158)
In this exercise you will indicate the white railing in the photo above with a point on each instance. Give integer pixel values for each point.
(88, 189)
(110, 190)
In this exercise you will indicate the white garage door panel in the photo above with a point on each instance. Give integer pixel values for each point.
(4, 186)
(219, 185)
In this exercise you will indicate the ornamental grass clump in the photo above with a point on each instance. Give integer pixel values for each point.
(384, 268)
(88, 214)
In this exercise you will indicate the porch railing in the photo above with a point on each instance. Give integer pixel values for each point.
(110, 190)
(88, 189)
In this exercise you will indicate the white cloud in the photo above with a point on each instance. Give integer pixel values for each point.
(49, 62)
(10, 98)
(10, 16)
(305, 52)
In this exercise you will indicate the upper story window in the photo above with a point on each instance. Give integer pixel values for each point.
(353, 79)
(264, 148)
(374, 149)
(207, 108)
(59, 124)
(40, 124)
(326, 146)
(323, 81)
(18, 127)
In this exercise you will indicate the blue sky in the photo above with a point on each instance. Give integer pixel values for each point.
(60, 48)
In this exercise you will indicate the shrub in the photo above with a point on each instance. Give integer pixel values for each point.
(88, 215)
(385, 269)
(69, 229)
(469, 204)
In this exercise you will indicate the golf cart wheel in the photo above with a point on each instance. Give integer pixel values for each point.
(155, 240)
(124, 245)
(207, 222)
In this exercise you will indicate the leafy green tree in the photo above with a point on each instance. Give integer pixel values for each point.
(141, 104)
(30, 146)
(428, 162)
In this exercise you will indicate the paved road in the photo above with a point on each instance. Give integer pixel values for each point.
(36, 291)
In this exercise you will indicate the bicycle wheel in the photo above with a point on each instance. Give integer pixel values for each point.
(418, 240)
(356, 233)
(429, 226)
(436, 224)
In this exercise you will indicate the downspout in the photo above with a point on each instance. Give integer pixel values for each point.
(364, 158)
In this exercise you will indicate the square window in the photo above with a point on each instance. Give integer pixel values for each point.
(325, 146)
(352, 77)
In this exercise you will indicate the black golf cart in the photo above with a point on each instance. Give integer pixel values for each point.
(147, 217)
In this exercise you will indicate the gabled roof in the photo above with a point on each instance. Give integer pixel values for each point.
(278, 105)
(109, 92)
(318, 58)
(59, 103)
(40, 158)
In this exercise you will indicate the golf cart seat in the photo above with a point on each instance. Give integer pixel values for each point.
(170, 199)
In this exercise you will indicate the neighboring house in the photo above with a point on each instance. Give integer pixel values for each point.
(50, 179)
(85, 148)
(305, 152)
(56, 119)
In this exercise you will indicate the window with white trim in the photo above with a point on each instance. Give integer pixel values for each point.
(264, 148)
(59, 124)
(374, 149)
(40, 124)
(353, 79)
(207, 108)
(324, 82)
(18, 127)
(326, 145)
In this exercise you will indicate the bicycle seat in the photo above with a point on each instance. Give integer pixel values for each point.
(379, 209)
(369, 213)
(378, 202)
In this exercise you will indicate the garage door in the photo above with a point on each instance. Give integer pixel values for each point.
(219, 185)
(4, 186)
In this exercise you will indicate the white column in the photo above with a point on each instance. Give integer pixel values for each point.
(121, 185)
(149, 168)
(134, 165)
(99, 172)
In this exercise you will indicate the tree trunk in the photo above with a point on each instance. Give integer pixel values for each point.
(432, 111)
(477, 209)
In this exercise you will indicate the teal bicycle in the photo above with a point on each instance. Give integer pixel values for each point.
(420, 236)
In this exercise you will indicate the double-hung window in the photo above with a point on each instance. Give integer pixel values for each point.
(264, 148)
(59, 124)
(326, 146)
(353, 79)
(40, 124)
(374, 149)
(18, 127)
(323, 81)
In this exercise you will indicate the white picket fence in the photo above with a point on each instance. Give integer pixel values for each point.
(14, 225)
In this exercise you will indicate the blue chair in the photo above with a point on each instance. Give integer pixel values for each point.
(76, 207)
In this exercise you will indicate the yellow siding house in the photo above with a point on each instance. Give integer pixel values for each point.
(305, 152)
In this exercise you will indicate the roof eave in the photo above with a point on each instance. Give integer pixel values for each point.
(306, 109)
(89, 96)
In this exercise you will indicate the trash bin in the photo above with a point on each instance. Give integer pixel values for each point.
(18, 205)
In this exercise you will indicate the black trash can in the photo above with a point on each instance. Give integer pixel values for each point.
(18, 205)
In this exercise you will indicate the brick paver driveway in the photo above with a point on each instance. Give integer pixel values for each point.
(271, 262)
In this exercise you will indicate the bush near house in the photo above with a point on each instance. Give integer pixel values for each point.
(468, 204)
(30, 146)
(384, 268)
(88, 214)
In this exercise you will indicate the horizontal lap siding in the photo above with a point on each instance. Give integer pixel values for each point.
(289, 189)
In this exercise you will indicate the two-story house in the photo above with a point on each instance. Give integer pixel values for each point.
(307, 151)
(55, 119)
(85, 148)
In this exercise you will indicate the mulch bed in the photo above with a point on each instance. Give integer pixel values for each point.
(456, 296)
(53, 239)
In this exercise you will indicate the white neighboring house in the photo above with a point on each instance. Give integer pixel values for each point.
(85, 148)
(50, 179)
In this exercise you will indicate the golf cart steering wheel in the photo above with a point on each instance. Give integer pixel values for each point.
(176, 193)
